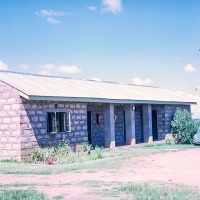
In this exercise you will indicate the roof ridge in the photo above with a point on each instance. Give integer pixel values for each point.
(64, 77)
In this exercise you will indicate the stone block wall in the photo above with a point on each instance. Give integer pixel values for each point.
(10, 104)
(34, 126)
(119, 125)
(97, 134)
(139, 136)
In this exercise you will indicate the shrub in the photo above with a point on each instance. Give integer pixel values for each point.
(63, 153)
(96, 154)
(87, 147)
(184, 127)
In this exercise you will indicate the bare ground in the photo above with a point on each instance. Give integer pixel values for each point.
(180, 167)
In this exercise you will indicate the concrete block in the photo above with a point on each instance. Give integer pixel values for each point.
(83, 106)
(15, 106)
(15, 119)
(72, 106)
(11, 100)
(42, 131)
(39, 112)
(73, 139)
(3, 126)
(16, 146)
(34, 119)
(7, 107)
(12, 113)
(78, 106)
(42, 119)
(61, 105)
(3, 113)
(2, 101)
(34, 106)
(31, 112)
(6, 120)
(3, 139)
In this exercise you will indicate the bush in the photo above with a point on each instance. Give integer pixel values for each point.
(184, 127)
(96, 154)
(63, 153)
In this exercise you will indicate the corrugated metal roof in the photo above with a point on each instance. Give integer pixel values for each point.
(38, 87)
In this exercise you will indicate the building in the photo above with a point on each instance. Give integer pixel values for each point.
(40, 110)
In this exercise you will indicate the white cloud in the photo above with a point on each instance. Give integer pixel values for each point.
(52, 69)
(92, 7)
(25, 67)
(49, 15)
(139, 81)
(113, 6)
(48, 67)
(69, 69)
(96, 79)
(189, 68)
(53, 21)
(3, 66)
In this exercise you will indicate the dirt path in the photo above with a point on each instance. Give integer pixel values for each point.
(181, 167)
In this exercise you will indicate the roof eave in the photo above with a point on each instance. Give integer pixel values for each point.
(102, 100)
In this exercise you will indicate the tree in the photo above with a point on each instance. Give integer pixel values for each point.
(184, 127)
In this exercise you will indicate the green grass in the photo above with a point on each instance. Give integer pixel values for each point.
(91, 183)
(173, 192)
(8, 161)
(112, 159)
(58, 197)
(168, 146)
(21, 195)
(15, 185)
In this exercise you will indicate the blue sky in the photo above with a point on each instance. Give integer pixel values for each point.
(152, 42)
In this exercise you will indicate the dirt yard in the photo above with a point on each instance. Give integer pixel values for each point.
(177, 167)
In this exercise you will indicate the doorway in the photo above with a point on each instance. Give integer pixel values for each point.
(154, 125)
(89, 126)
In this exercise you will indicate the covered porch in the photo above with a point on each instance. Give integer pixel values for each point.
(111, 125)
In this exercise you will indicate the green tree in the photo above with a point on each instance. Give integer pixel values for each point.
(184, 127)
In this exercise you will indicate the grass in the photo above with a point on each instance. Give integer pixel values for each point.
(15, 185)
(174, 192)
(91, 183)
(111, 159)
(168, 146)
(58, 197)
(8, 161)
(21, 194)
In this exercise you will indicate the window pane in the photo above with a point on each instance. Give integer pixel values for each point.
(58, 121)
(62, 122)
(67, 122)
(51, 122)
(54, 123)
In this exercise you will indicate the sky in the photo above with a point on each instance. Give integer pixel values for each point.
(145, 42)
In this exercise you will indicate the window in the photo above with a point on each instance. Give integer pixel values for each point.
(58, 122)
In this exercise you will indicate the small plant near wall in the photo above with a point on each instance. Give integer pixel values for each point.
(184, 127)
(63, 153)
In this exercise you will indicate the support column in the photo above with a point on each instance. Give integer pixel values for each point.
(147, 123)
(109, 127)
(130, 124)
